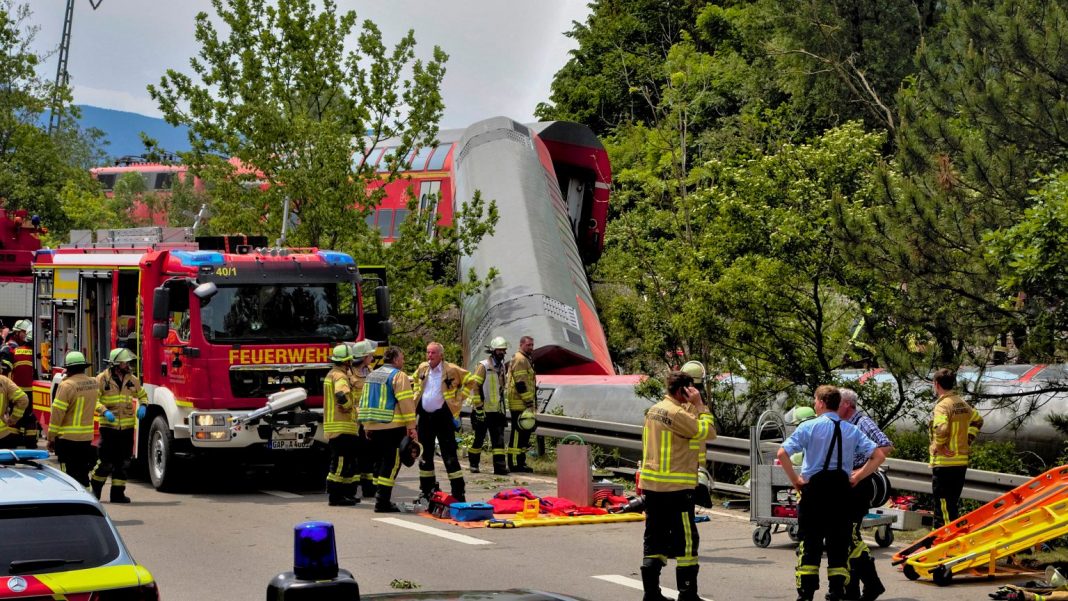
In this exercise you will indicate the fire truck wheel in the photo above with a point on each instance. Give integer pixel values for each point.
(161, 455)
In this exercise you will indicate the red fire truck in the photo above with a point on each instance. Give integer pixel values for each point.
(231, 336)
(18, 240)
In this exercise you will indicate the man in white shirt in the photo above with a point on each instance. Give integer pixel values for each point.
(439, 387)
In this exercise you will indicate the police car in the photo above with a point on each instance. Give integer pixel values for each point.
(57, 541)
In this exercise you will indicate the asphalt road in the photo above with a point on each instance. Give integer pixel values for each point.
(228, 535)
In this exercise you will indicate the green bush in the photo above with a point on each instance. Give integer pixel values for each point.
(911, 446)
(997, 457)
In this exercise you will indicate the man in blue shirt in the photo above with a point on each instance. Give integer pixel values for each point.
(825, 483)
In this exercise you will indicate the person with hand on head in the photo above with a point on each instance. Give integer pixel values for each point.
(827, 476)
(74, 409)
(954, 426)
(439, 393)
(387, 414)
(487, 407)
(122, 397)
(13, 405)
(673, 442)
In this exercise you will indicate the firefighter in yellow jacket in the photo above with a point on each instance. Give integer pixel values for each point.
(520, 392)
(74, 409)
(121, 394)
(487, 407)
(439, 393)
(339, 425)
(954, 426)
(13, 405)
(387, 413)
(363, 353)
(673, 442)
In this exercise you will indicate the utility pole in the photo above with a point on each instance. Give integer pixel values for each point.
(62, 77)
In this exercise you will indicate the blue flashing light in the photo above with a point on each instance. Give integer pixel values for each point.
(314, 551)
(335, 258)
(13, 456)
(198, 258)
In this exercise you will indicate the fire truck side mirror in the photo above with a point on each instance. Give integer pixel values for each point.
(386, 327)
(382, 302)
(161, 305)
(159, 331)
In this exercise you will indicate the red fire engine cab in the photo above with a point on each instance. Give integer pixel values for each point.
(231, 336)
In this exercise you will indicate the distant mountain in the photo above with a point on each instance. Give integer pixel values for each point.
(122, 131)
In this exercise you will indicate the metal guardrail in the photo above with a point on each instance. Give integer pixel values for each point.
(912, 476)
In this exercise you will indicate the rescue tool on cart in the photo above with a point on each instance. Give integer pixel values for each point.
(773, 506)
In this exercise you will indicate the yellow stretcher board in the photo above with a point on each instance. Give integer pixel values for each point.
(983, 548)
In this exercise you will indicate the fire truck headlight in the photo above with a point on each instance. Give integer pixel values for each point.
(211, 426)
(211, 419)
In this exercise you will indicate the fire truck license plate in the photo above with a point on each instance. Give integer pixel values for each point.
(287, 442)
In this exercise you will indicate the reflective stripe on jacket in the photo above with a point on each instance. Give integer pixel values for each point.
(521, 383)
(453, 380)
(489, 379)
(387, 400)
(120, 399)
(954, 426)
(673, 442)
(338, 418)
(12, 400)
(75, 408)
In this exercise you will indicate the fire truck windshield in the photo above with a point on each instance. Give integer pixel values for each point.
(271, 313)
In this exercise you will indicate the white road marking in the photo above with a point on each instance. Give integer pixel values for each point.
(637, 584)
(282, 494)
(460, 538)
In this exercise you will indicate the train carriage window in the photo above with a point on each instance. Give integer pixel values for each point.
(419, 161)
(429, 194)
(398, 221)
(164, 180)
(385, 222)
(370, 219)
(383, 161)
(107, 180)
(437, 161)
(372, 157)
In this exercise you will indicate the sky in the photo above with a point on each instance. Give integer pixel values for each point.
(502, 53)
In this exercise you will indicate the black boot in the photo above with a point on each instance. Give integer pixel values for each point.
(651, 579)
(118, 493)
(852, 588)
(473, 460)
(98, 488)
(686, 579)
(382, 502)
(340, 501)
(368, 488)
(873, 587)
(458, 489)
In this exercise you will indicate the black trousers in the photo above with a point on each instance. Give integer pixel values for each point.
(28, 427)
(494, 425)
(824, 527)
(116, 450)
(519, 441)
(670, 529)
(386, 447)
(438, 427)
(365, 464)
(75, 458)
(946, 486)
(344, 454)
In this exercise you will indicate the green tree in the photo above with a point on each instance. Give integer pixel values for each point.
(279, 109)
(35, 167)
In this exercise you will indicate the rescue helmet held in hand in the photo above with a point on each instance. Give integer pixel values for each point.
(527, 421)
(410, 450)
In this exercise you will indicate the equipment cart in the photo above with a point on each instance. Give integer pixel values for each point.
(773, 505)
